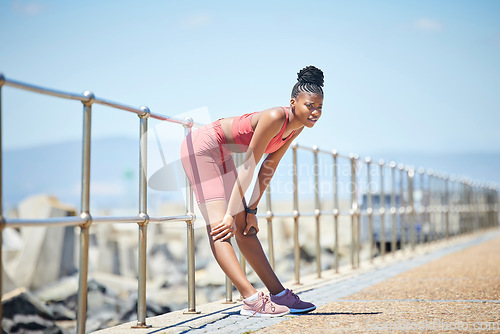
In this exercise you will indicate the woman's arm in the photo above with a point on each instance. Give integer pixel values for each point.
(270, 123)
(267, 171)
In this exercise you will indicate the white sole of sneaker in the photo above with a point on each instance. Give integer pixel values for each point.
(294, 310)
(250, 313)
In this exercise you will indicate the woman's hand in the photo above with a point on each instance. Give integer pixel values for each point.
(225, 230)
(251, 221)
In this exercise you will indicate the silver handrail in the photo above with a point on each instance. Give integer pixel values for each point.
(476, 207)
(85, 220)
(88, 98)
(405, 211)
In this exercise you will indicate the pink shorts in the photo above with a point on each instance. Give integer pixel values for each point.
(208, 163)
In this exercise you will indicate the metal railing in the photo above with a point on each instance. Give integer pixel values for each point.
(446, 205)
(85, 219)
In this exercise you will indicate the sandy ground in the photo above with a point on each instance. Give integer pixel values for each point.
(459, 292)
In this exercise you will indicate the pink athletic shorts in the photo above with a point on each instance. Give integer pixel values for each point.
(208, 163)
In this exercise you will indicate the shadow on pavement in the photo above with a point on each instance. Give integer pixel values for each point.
(341, 313)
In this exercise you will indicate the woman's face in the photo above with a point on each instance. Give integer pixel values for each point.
(307, 108)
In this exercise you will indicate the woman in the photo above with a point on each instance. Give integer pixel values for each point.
(219, 188)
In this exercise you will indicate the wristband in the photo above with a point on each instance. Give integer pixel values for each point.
(252, 211)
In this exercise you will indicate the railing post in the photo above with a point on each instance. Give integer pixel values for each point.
(1, 268)
(228, 283)
(229, 292)
(369, 208)
(243, 261)
(269, 217)
(402, 206)
(81, 316)
(382, 209)
(447, 205)
(423, 205)
(143, 213)
(354, 212)
(317, 210)
(471, 206)
(411, 208)
(495, 209)
(484, 206)
(495, 217)
(464, 206)
(393, 207)
(487, 204)
(2, 223)
(190, 238)
(238, 159)
(477, 224)
(477, 206)
(492, 204)
(336, 209)
(461, 200)
(438, 207)
(431, 208)
(296, 214)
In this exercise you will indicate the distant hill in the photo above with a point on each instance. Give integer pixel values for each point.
(56, 169)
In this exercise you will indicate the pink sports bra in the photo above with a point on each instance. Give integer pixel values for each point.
(243, 132)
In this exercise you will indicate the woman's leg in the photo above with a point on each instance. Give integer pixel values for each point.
(249, 244)
(252, 250)
(212, 174)
(223, 251)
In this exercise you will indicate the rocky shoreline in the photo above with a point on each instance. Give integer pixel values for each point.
(40, 294)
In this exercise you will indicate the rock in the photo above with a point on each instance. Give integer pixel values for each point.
(177, 250)
(175, 297)
(61, 312)
(211, 275)
(121, 286)
(161, 263)
(103, 304)
(24, 313)
(59, 290)
(7, 282)
(152, 309)
(50, 254)
(108, 260)
(12, 240)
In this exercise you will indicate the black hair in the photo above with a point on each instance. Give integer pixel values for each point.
(309, 80)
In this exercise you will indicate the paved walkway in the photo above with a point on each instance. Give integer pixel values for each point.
(448, 286)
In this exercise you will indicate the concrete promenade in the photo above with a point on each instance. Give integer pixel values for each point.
(447, 286)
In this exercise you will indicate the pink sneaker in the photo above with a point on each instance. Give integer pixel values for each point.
(263, 307)
(293, 302)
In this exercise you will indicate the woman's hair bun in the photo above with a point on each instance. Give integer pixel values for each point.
(311, 74)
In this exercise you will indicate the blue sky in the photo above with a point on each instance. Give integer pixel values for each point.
(412, 76)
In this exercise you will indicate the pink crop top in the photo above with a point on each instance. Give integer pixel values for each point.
(243, 132)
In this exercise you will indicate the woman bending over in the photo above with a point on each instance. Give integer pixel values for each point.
(219, 187)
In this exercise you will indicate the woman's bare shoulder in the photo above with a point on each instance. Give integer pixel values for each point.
(274, 114)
